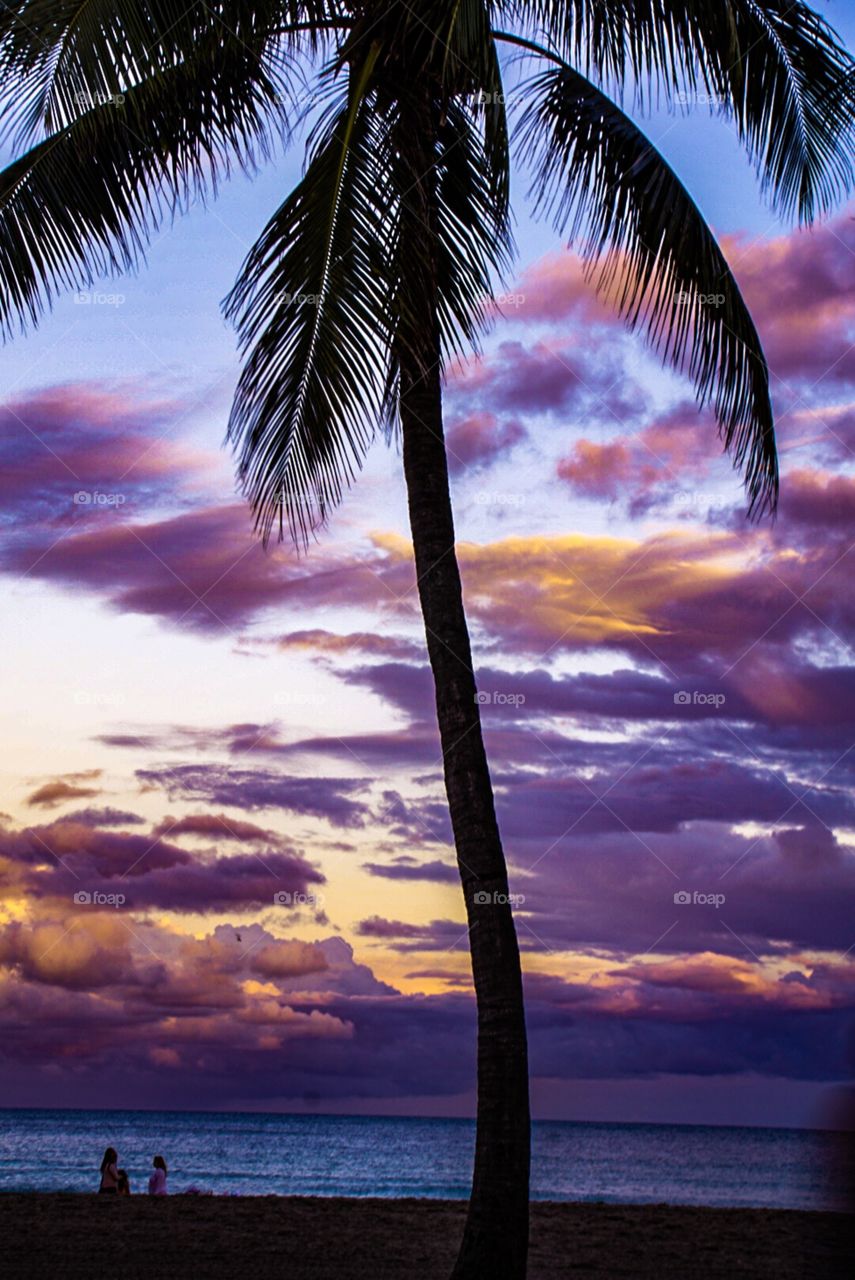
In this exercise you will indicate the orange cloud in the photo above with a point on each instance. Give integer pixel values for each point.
(67, 787)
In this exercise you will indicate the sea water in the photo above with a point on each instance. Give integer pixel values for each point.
(264, 1154)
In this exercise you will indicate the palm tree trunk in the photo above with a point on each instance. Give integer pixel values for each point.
(495, 1241)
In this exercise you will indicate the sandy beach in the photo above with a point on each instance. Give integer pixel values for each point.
(321, 1239)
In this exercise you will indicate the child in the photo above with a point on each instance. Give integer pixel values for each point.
(157, 1181)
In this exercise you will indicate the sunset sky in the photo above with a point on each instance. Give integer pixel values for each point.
(206, 729)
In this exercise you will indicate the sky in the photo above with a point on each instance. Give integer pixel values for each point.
(226, 870)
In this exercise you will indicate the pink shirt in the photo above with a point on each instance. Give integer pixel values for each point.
(157, 1183)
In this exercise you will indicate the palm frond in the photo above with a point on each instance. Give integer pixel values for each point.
(83, 202)
(67, 55)
(312, 308)
(471, 74)
(792, 92)
(628, 212)
(487, 95)
(593, 34)
(474, 241)
(774, 66)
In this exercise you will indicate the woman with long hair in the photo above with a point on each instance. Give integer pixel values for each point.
(109, 1173)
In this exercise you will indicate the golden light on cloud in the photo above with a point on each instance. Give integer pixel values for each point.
(582, 590)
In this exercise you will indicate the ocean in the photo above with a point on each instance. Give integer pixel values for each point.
(258, 1154)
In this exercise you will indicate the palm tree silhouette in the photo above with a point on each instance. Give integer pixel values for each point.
(380, 266)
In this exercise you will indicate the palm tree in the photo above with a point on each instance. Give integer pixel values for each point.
(380, 265)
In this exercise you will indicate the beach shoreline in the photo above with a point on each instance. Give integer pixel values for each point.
(315, 1238)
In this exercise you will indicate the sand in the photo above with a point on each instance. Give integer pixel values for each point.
(299, 1238)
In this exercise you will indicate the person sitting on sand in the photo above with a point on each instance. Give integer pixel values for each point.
(109, 1173)
(157, 1181)
(124, 1187)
